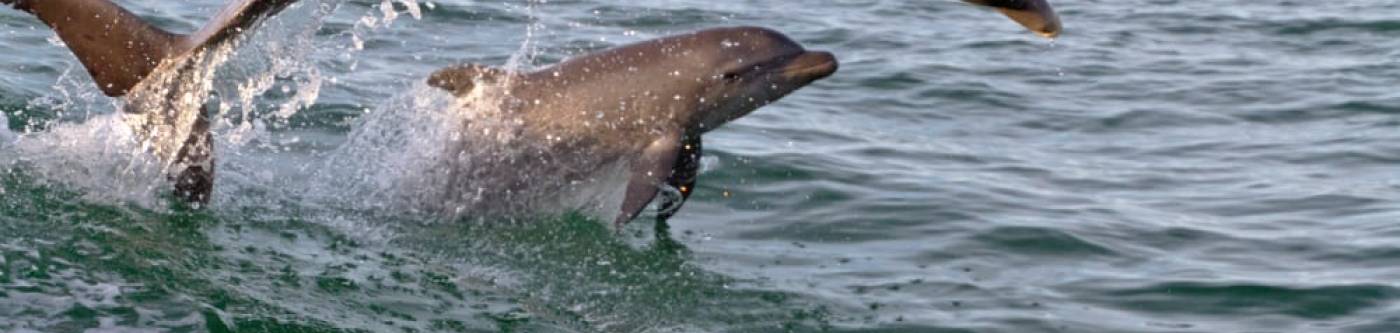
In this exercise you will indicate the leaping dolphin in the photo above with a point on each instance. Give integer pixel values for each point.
(648, 103)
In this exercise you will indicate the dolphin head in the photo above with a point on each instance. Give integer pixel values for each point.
(699, 80)
(749, 67)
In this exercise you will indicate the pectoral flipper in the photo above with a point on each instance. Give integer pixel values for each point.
(684, 174)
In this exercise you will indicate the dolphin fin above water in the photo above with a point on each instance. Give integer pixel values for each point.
(121, 51)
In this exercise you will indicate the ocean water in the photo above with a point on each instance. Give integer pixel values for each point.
(1165, 166)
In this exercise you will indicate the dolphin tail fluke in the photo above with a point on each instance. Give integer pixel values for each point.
(236, 18)
(120, 49)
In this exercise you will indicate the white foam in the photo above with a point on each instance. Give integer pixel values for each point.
(7, 137)
(100, 158)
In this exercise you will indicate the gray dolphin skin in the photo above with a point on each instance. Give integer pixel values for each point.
(649, 103)
(1036, 15)
(123, 54)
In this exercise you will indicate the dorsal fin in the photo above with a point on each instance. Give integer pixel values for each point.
(461, 79)
(120, 49)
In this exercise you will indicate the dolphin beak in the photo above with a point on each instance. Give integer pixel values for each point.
(1036, 15)
(811, 66)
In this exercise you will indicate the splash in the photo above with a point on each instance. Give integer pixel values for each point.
(427, 153)
(430, 153)
(120, 150)
(7, 137)
(422, 152)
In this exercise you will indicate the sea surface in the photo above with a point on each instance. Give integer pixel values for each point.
(1164, 166)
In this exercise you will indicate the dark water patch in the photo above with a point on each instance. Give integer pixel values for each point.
(1038, 242)
(1241, 301)
(1003, 44)
(1196, 150)
(1192, 29)
(1318, 206)
(875, 44)
(1178, 238)
(1121, 184)
(1177, 23)
(1140, 120)
(766, 169)
(327, 116)
(1378, 257)
(1320, 112)
(893, 81)
(974, 94)
(1236, 63)
(1309, 27)
(1104, 71)
(879, 224)
(1349, 157)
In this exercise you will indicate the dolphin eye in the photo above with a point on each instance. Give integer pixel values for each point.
(731, 76)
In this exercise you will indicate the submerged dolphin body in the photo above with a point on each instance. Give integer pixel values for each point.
(646, 104)
(152, 68)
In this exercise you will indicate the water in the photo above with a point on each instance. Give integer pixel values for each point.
(1166, 166)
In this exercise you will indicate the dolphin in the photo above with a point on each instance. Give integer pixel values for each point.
(1036, 15)
(151, 68)
(646, 104)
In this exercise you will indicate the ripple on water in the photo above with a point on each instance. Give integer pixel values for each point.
(1332, 25)
(1245, 301)
(1038, 242)
(641, 16)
